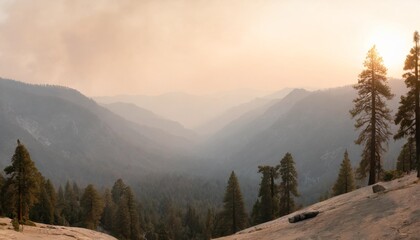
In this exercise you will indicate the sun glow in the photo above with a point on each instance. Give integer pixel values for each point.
(393, 47)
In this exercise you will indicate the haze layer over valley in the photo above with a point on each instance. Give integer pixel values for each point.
(67, 131)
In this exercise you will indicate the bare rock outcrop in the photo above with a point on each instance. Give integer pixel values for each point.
(378, 188)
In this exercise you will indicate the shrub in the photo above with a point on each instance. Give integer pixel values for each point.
(391, 175)
(15, 224)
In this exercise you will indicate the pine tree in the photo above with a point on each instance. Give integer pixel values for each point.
(44, 210)
(373, 115)
(345, 180)
(49, 188)
(288, 186)
(127, 220)
(209, 225)
(192, 224)
(268, 206)
(122, 227)
(407, 157)
(24, 183)
(234, 217)
(71, 211)
(60, 218)
(92, 207)
(117, 190)
(133, 214)
(2, 195)
(256, 213)
(172, 220)
(109, 213)
(76, 192)
(408, 115)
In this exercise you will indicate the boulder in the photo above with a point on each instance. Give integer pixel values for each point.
(378, 188)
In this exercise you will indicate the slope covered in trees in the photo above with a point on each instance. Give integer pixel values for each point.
(27, 197)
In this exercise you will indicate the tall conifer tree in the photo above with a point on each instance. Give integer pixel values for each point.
(127, 221)
(209, 225)
(193, 228)
(44, 210)
(408, 115)
(23, 182)
(345, 180)
(234, 217)
(109, 213)
(288, 186)
(407, 158)
(268, 203)
(61, 205)
(133, 214)
(71, 210)
(2, 194)
(92, 207)
(373, 116)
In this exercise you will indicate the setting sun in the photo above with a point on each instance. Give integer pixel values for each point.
(393, 47)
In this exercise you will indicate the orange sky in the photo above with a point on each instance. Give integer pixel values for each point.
(108, 47)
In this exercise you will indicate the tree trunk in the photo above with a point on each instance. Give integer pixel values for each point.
(233, 213)
(417, 111)
(410, 156)
(345, 187)
(403, 161)
(20, 209)
(372, 169)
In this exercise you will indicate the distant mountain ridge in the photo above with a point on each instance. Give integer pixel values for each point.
(315, 127)
(69, 136)
(235, 135)
(258, 104)
(190, 110)
(144, 117)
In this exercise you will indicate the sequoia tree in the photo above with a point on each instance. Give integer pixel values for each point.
(345, 180)
(23, 183)
(373, 116)
(408, 115)
(288, 185)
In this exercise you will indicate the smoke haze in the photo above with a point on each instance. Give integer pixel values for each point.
(107, 47)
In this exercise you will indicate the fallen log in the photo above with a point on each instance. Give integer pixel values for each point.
(303, 216)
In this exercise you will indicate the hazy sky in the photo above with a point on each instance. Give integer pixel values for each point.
(108, 47)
